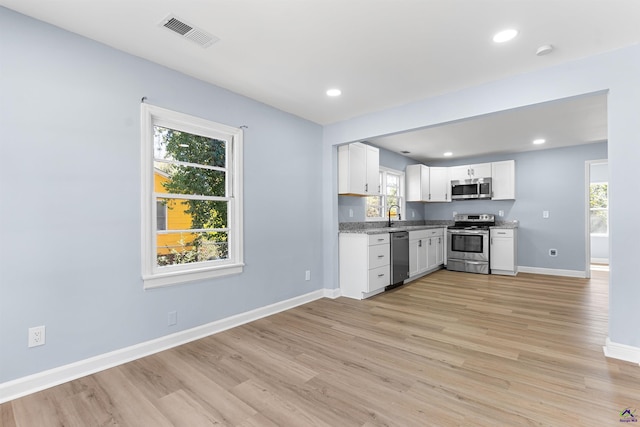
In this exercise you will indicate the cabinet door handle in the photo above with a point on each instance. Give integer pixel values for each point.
(501, 232)
(439, 239)
(366, 188)
(419, 243)
(446, 196)
(380, 256)
(429, 242)
(492, 240)
(381, 275)
(381, 240)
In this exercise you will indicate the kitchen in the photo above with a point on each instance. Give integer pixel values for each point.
(549, 205)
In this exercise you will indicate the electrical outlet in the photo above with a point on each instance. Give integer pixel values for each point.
(545, 214)
(307, 275)
(553, 252)
(36, 336)
(172, 318)
(350, 213)
(501, 213)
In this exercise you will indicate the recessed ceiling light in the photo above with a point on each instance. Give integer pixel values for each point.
(539, 141)
(505, 35)
(448, 154)
(334, 92)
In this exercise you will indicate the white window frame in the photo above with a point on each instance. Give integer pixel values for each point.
(153, 275)
(383, 195)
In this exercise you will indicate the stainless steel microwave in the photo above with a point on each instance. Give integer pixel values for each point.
(476, 188)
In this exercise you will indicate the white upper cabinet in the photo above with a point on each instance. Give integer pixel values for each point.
(503, 182)
(480, 170)
(439, 184)
(417, 180)
(358, 170)
(427, 184)
(373, 171)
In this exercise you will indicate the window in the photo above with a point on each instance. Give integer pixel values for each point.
(192, 201)
(161, 216)
(599, 207)
(392, 185)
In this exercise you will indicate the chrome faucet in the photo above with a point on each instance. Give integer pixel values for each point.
(399, 216)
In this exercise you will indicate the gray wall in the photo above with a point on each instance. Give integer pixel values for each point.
(70, 200)
(551, 180)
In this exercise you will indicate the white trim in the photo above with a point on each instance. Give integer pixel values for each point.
(332, 293)
(587, 212)
(152, 274)
(599, 260)
(552, 272)
(621, 351)
(33, 383)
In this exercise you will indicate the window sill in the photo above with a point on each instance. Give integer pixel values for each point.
(177, 277)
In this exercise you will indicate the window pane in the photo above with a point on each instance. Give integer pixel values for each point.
(186, 248)
(598, 195)
(178, 179)
(599, 221)
(194, 214)
(170, 144)
(374, 208)
(161, 215)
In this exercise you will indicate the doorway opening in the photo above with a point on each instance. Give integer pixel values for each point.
(597, 215)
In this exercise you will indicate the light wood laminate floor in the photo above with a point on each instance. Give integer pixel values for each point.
(451, 349)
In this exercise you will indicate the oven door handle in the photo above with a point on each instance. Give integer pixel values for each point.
(468, 231)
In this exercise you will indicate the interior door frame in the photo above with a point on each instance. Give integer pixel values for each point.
(587, 213)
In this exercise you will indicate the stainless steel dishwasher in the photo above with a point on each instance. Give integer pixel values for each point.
(399, 257)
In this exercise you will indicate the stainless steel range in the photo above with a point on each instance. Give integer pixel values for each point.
(468, 243)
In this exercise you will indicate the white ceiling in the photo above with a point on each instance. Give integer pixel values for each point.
(381, 53)
(574, 121)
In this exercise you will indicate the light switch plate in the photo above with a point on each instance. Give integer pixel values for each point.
(545, 214)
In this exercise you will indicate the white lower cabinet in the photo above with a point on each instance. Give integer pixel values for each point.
(426, 250)
(365, 267)
(503, 256)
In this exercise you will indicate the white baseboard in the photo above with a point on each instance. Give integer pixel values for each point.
(552, 271)
(600, 261)
(33, 383)
(332, 293)
(622, 352)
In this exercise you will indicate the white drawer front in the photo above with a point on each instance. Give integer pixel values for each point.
(379, 278)
(418, 234)
(425, 234)
(378, 256)
(435, 232)
(379, 239)
(502, 232)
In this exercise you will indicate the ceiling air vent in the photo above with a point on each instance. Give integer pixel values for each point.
(190, 32)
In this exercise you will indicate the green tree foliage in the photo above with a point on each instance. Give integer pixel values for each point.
(193, 180)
